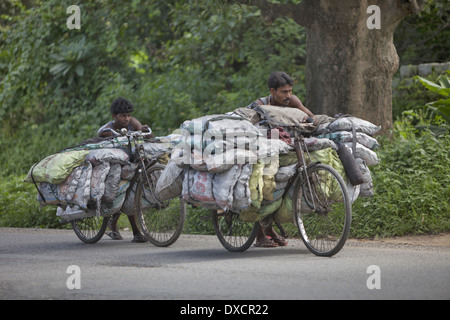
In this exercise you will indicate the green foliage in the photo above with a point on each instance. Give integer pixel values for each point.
(442, 106)
(73, 59)
(411, 182)
(424, 37)
(412, 99)
(217, 61)
(175, 60)
(198, 221)
(411, 186)
(410, 95)
(19, 206)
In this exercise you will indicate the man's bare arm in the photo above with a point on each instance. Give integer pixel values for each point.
(296, 103)
(137, 126)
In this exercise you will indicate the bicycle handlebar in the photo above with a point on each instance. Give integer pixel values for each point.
(125, 133)
(295, 126)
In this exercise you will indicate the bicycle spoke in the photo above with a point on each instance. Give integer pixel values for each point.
(324, 226)
(161, 222)
(234, 233)
(91, 229)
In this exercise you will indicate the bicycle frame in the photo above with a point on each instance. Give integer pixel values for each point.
(142, 168)
(299, 144)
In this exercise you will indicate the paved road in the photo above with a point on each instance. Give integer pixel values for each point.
(34, 265)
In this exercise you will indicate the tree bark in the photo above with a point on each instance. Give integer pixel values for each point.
(349, 67)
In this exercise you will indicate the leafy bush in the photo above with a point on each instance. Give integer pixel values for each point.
(175, 60)
(411, 95)
(198, 221)
(411, 183)
(441, 107)
(19, 206)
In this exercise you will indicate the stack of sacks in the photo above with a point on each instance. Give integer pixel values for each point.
(87, 182)
(325, 139)
(357, 135)
(214, 165)
(248, 173)
(215, 143)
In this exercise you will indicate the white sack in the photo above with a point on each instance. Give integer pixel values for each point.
(223, 186)
(241, 192)
(345, 124)
(362, 152)
(170, 183)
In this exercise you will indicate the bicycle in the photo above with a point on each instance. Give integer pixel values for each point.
(321, 208)
(160, 221)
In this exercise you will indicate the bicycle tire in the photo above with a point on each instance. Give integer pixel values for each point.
(234, 234)
(160, 222)
(324, 224)
(90, 230)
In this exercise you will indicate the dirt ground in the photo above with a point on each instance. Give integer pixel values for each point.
(435, 240)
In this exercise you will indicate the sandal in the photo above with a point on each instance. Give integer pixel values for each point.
(114, 235)
(267, 243)
(139, 238)
(279, 240)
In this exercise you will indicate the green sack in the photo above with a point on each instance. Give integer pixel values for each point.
(270, 208)
(288, 159)
(284, 212)
(330, 157)
(253, 214)
(256, 184)
(56, 168)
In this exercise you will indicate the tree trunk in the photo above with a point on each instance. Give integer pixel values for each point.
(349, 67)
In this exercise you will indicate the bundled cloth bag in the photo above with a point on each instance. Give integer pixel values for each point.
(198, 188)
(170, 183)
(61, 193)
(74, 190)
(347, 136)
(241, 192)
(56, 168)
(284, 117)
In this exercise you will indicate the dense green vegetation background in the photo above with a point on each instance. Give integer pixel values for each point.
(177, 60)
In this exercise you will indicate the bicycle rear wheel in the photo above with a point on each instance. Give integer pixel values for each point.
(234, 234)
(322, 210)
(161, 222)
(91, 229)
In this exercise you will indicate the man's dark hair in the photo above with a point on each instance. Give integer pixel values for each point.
(278, 79)
(121, 105)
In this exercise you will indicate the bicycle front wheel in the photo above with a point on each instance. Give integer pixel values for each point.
(161, 222)
(322, 210)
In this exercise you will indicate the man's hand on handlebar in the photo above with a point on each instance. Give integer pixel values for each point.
(108, 132)
(146, 128)
(313, 120)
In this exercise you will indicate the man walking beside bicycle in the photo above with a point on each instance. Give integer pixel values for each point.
(121, 110)
(280, 86)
